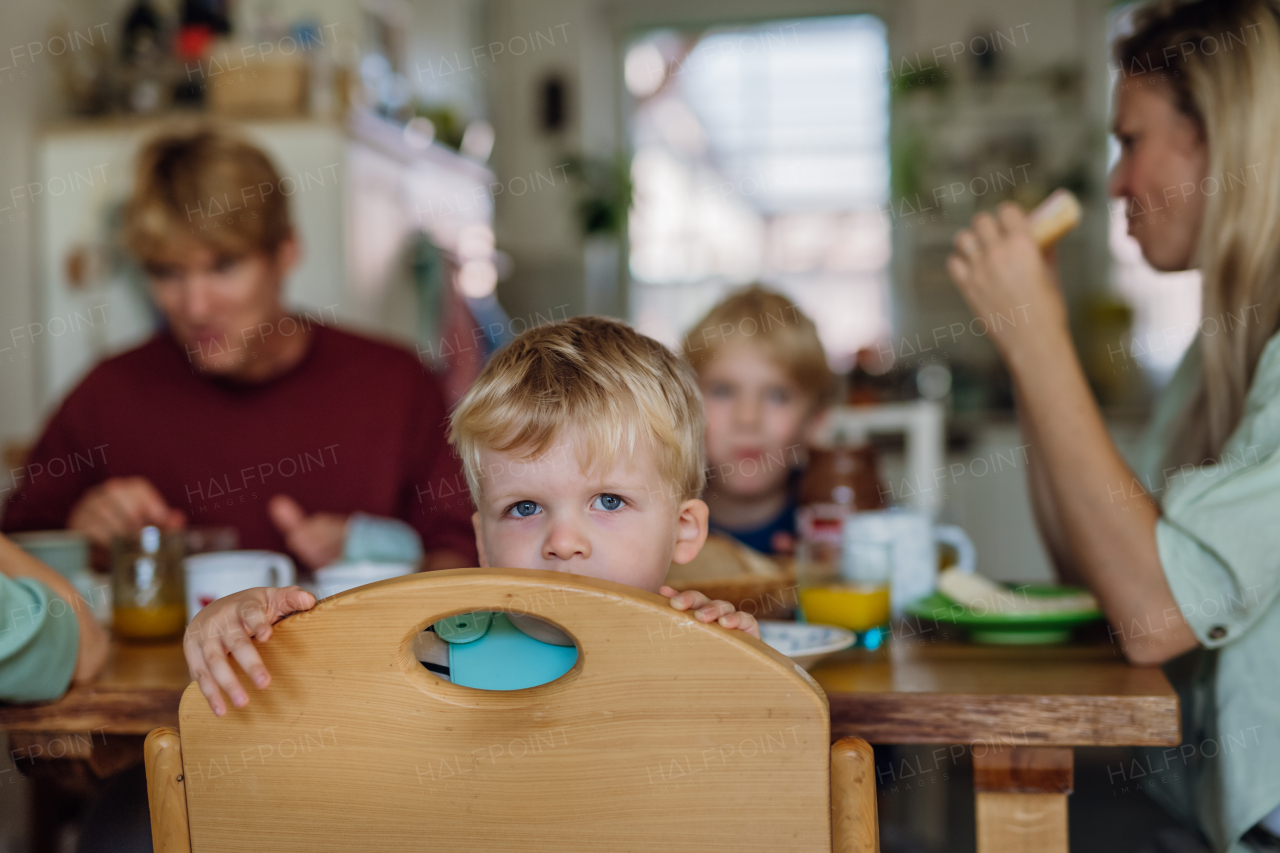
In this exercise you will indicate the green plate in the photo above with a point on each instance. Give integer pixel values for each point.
(1009, 628)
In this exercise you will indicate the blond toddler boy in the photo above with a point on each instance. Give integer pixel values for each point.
(582, 447)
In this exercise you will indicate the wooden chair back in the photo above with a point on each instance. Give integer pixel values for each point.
(666, 734)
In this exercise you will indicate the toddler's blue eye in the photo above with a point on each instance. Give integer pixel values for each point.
(524, 509)
(609, 502)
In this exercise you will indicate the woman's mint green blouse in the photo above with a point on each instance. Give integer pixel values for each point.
(39, 636)
(1219, 542)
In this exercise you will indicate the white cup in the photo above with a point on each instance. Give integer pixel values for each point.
(341, 577)
(212, 576)
(901, 546)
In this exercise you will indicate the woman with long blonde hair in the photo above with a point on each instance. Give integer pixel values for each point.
(1183, 548)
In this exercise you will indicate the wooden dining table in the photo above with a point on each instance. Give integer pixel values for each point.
(1017, 710)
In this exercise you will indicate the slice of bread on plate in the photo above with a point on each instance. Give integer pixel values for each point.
(727, 570)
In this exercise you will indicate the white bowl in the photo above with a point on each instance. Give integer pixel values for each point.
(804, 643)
(341, 577)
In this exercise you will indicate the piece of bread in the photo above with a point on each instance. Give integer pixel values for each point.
(726, 569)
(984, 596)
(722, 558)
(1054, 217)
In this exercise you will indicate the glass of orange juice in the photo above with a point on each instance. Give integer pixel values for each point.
(147, 584)
(850, 591)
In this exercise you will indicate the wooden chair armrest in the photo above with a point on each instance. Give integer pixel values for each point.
(854, 826)
(166, 792)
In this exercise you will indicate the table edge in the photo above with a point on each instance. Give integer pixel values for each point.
(1007, 720)
(90, 708)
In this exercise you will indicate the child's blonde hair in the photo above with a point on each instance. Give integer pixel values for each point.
(594, 374)
(768, 319)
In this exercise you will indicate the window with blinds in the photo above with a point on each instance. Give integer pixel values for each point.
(761, 154)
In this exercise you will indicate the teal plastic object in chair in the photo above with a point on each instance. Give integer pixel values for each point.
(488, 652)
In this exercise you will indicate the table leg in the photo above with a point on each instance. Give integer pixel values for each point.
(1021, 798)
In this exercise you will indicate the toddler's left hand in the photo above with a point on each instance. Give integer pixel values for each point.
(712, 611)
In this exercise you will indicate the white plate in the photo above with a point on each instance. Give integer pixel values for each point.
(804, 643)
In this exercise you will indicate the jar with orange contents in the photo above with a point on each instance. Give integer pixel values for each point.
(148, 587)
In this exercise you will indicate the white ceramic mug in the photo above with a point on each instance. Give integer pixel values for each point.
(341, 577)
(903, 546)
(212, 576)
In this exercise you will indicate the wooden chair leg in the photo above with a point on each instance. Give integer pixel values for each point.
(166, 792)
(854, 825)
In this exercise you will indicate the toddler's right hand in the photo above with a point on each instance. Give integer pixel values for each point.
(225, 627)
(706, 610)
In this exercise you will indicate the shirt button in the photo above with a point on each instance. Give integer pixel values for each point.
(1217, 632)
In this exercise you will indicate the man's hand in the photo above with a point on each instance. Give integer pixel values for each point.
(122, 506)
(707, 610)
(225, 627)
(317, 539)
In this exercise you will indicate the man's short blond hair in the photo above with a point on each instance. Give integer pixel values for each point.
(205, 185)
(755, 315)
(615, 386)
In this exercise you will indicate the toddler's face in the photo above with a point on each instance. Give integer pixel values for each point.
(756, 422)
(547, 513)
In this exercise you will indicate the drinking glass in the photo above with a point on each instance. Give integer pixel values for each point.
(148, 589)
(837, 590)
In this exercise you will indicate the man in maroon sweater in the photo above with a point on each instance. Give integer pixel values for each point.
(240, 413)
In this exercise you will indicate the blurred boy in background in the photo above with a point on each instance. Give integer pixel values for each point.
(764, 376)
